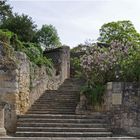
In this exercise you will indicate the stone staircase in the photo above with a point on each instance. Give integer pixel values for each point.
(53, 115)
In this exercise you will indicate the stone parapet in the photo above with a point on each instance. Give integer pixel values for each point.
(122, 101)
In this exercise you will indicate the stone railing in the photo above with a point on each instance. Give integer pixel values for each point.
(22, 82)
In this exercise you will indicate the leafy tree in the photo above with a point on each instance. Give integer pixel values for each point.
(22, 25)
(5, 10)
(121, 31)
(47, 37)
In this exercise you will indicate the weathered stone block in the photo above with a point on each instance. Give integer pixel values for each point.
(9, 84)
(116, 99)
(117, 86)
(2, 129)
(109, 86)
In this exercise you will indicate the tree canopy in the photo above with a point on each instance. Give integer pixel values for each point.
(5, 10)
(22, 25)
(121, 31)
(47, 36)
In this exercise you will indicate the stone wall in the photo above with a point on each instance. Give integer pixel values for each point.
(61, 59)
(23, 83)
(122, 102)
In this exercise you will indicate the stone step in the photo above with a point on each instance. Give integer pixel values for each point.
(66, 92)
(52, 107)
(61, 104)
(54, 104)
(63, 116)
(74, 125)
(57, 99)
(58, 103)
(61, 120)
(57, 95)
(68, 88)
(50, 112)
(65, 96)
(63, 134)
(68, 84)
(60, 94)
(61, 129)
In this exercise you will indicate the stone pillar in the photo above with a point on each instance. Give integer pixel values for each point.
(2, 128)
(61, 60)
(65, 64)
(114, 95)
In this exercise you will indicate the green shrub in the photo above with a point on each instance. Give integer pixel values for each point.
(5, 36)
(75, 67)
(34, 52)
(94, 93)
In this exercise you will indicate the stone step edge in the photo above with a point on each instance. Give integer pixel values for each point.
(68, 133)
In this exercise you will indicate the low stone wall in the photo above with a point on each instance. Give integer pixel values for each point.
(21, 83)
(122, 102)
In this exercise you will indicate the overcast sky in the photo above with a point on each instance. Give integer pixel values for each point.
(78, 21)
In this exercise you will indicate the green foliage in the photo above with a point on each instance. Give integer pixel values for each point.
(22, 25)
(121, 31)
(94, 93)
(75, 67)
(29, 45)
(35, 54)
(47, 37)
(130, 67)
(32, 50)
(18, 32)
(5, 10)
(5, 36)
(79, 48)
(5, 41)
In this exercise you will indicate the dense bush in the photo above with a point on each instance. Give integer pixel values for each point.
(99, 65)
